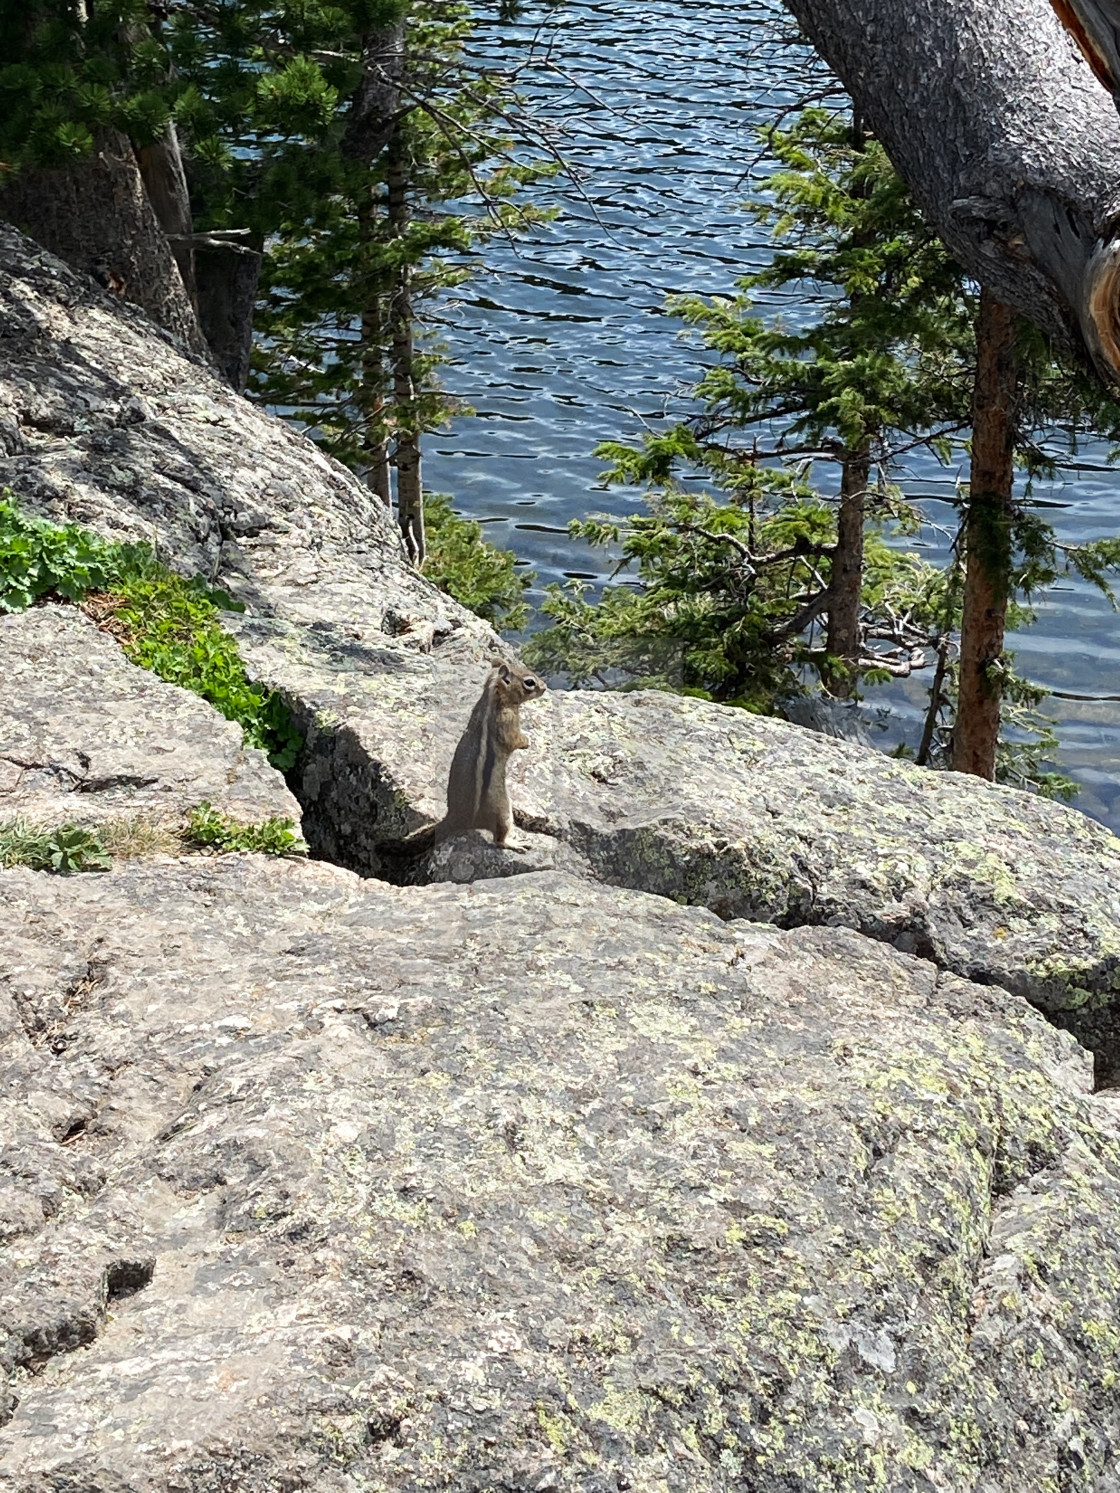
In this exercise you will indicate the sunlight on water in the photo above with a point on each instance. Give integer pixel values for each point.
(565, 344)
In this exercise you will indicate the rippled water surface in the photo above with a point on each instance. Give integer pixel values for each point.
(565, 343)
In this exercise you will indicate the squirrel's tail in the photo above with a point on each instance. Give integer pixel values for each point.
(419, 842)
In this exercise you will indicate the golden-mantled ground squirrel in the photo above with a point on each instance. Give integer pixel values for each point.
(477, 796)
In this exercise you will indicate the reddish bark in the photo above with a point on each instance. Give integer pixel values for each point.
(845, 587)
(987, 540)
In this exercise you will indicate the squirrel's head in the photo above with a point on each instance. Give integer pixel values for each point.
(517, 684)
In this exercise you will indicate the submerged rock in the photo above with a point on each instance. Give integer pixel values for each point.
(844, 719)
(535, 1184)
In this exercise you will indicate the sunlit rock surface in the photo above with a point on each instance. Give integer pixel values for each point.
(538, 1181)
(750, 816)
(88, 738)
(107, 423)
(314, 1182)
(104, 422)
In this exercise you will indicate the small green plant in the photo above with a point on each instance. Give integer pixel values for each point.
(38, 558)
(211, 829)
(170, 625)
(479, 575)
(69, 847)
(163, 621)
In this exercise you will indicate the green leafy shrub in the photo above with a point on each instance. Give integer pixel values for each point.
(72, 847)
(163, 621)
(478, 575)
(68, 848)
(720, 591)
(211, 829)
(170, 625)
(38, 558)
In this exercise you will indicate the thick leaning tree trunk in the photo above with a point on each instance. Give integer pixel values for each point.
(1095, 26)
(1009, 143)
(987, 540)
(97, 216)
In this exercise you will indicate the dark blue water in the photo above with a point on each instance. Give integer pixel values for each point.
(564, 343)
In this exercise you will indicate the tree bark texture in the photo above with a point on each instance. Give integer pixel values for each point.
(372, 114)
(96, 215)
(226, 278)
(846, 584)
(406, 450)
(375, 441)
(987, 532)
(1095, 27)
(1008, 142)
(372, 123)
(165, 181)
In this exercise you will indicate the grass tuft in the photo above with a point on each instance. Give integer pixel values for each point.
(141, 835)
(75, 847)
(67, 848)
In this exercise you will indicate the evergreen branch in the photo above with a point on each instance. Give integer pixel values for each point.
(802, 617)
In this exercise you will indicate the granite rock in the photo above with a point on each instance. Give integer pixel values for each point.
(525, 1178)
(87, 737)
(311, 1182)
(704, 804)
(104, 422)
(749, 816)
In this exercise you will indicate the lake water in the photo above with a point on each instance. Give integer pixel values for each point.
(564, 344)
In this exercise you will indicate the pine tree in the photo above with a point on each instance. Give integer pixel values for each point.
(876, 368)
(731, 589)
(319, 142)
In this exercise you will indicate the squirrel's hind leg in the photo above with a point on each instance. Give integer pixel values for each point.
(503, 823)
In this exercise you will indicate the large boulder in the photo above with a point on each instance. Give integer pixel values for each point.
(88, 738)
(106, 422)
(749, 816)
(311, 1182)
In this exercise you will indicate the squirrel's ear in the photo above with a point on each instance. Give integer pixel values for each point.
(504, 674)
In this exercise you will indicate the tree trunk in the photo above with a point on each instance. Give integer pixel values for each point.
(373, 122)
(165, 181)
(226, 277)
(375, 437)
(1095, 27)
(846, 585)
(372, 115)
(374, 334)
(97, 216)
(406, 452)
(937, 702)
(987, 531)
(1007, 141)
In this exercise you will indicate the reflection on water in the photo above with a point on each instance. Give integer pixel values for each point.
(565, 344)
